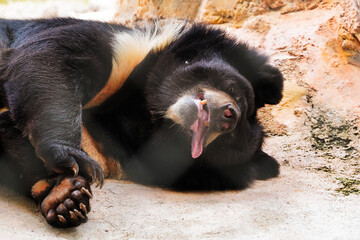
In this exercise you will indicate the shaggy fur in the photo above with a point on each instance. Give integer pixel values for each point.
(140, 93)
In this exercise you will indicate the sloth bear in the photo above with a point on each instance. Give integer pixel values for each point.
(170, 105)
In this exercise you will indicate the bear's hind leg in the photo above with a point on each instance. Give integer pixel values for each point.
(19, 166)
(63, 201)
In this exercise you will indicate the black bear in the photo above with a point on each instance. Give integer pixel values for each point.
(171, 105)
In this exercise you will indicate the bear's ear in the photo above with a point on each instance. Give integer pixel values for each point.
(268, 85)
(266, 80)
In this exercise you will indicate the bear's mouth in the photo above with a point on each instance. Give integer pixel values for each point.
(200, 125)
(194, 110)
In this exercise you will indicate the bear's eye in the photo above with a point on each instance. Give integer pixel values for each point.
(232, 92)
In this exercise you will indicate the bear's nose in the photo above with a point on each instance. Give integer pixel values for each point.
(224, 119)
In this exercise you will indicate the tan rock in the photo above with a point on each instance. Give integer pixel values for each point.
(278, 119)
(209, 11)
(129, 10)
(274, 4)
(258, 24)
(350, 45)
(216, 11)
(149, 9)
(177, 9)
(350, 16)
(349, 30)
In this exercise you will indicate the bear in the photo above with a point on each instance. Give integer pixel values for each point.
(172, 105)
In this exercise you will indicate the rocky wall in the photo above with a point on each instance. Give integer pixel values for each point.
(210, 11)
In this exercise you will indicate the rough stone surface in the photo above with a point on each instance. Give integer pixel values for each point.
(349, 31)
(129, 10)
(230, 11)
(209, 11)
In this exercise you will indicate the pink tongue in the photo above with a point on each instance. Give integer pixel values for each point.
(199, 130)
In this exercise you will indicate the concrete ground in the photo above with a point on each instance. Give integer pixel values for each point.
(300, 204)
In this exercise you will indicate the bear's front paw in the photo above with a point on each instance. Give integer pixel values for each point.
(66, 204)
(63, 159)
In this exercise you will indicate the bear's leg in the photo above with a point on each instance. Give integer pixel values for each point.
(62, 199)
(19, 166)
(49, 113)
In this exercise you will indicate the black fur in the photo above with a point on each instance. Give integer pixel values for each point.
(51, 68)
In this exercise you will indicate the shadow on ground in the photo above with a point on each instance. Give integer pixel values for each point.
(300, 204)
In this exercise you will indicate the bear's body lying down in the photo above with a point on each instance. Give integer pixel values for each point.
(171, 106)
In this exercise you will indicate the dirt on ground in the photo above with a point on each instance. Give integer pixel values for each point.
(313, 133)
(302, 203)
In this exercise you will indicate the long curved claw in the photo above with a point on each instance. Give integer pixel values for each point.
(79, 214)
(83, 207)
(86, 192)
(62, 219)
